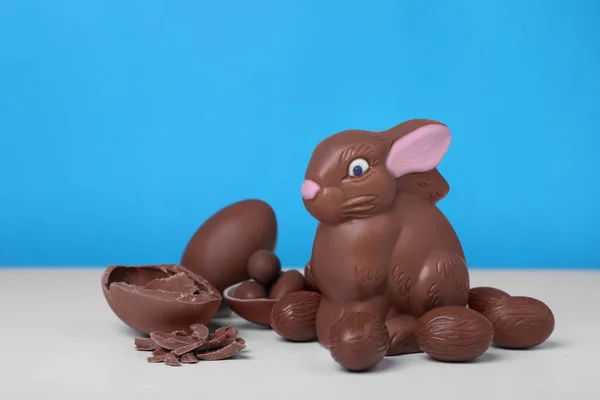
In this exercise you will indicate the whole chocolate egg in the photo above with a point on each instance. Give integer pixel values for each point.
(220, 248)
(520, 322)
(454, 334)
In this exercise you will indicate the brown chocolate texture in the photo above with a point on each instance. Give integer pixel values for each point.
(382, 246)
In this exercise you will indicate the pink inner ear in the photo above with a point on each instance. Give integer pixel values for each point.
(419, 151)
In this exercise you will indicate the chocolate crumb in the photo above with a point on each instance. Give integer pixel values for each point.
(171, 360)
(225, 352)
(189, 358)
(170, 341)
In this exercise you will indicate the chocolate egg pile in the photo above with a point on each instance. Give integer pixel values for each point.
(268, 281)
(519, 322)
(264, 268)
(254, 299)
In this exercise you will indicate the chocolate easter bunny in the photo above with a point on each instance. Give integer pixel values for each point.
(382, 246)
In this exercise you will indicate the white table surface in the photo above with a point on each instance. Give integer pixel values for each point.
(62, 341)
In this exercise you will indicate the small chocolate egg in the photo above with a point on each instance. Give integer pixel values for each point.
(250, 290)
(264, 267)
(454, 334)
(482, 298)
(289, 282)
(294, 316)
(520, 322)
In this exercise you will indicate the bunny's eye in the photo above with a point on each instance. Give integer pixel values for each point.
(358, 167)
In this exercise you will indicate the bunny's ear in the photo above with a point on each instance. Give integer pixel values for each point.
(419, 151)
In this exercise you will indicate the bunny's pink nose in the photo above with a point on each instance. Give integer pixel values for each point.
(309, 189)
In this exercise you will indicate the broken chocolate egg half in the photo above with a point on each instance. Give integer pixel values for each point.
(257, 311)
(164, 297)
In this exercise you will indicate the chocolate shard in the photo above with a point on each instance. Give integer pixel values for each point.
(179, 333)
(220, 338)
(171, 360)
(187, 348)
(223, 353)
(200, 332)
(189, 358)
(177, 283)
(145, 344)
(170, 341)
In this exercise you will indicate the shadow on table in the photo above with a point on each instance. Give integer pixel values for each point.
(487, 357)
(127, 331)
(387, 364)
(550, 344)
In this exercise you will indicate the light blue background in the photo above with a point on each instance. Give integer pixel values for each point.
(125, 124)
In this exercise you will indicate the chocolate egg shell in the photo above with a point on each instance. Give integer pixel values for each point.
(483, 297)
(520, 322)
(289, 282)
(159, 297)
(220, 248)
(257, 311)
(358, 341)
(454, 334)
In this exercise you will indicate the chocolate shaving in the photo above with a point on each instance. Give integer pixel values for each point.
(170, 341)
(172, 361)
(145, 344)
(186, 349)
(200, 332)
(225, 352)
(179, 347)
(158, 356)
(160, 352)
(222, 337)
(189, 358)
